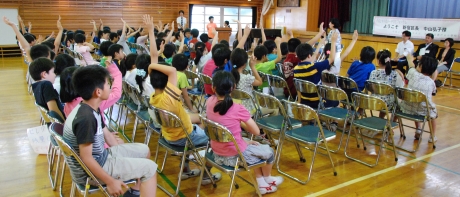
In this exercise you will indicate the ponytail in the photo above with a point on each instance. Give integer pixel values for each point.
(223, 82)
(384, 59)
(141, 75)
(127, 63)
(236, 75)
(387, 66)
(199, 51)
(239, 58)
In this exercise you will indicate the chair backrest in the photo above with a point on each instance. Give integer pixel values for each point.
(242, 95)
(279, 68)
(206, 79)
(192, 76)
(167, 119)
(263, 76)
(365, 101)
(303, 86)
(456, 60)
(55, 117)
(300, 111)
(379, 88)
(268, 101)
(82, 60)
(68, 152)
(43, 113)
(220, 133)
(346, 83)
(332, 93)
(409, 95)
(56, 128)
(327, 77)
(247, 72)
(131, 91)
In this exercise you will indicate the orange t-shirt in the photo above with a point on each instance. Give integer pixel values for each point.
(209, 27)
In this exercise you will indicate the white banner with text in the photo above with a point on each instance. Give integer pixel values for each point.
(419, 27)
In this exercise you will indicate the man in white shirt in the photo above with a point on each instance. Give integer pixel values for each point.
(181, 21)
(404, 48)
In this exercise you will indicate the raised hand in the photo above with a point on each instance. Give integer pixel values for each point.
(355, 35)
(8, 22)
(30, 24)
(236, 21)
(334, 36)
(59, 25)
(321, 27)
(148, 22)
(213, 30)
(278, 40)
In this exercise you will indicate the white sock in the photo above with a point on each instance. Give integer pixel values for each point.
(269, 179)
(261, 182)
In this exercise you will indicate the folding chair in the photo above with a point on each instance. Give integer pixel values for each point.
(207, 80)
(264, 78)
(278, 82)
(141, 111)
(338, 114)
(375, 124)
(82, 60)
(274, 124)
(308, 135)
(348, 85)
(245, 97)
(85, 189)
(329, 79)
(53, 150)
(279, 68)
(412, 96)
(305, 87)
(57, 128)
(196, 93)
(170, 120)
(43, 114)
(382, 89)
(219, 133)
(450, 71)
(133, 105)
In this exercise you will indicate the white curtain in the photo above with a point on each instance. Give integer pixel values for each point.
(265, 7)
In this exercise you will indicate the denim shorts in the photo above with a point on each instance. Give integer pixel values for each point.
(198, 137)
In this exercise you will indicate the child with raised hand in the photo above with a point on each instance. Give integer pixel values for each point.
(164, 80)
(262, 63)
(221, 109)
(420, 79)
(384, 74)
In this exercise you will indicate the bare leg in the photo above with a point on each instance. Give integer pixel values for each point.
(433, 124)
(149, 188)
(434, 75)
(266, 170)
(258, 172)
(195, 118)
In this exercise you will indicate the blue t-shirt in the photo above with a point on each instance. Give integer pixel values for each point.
(271, 57)
(228, 67)
(186, 41)
(360, 72)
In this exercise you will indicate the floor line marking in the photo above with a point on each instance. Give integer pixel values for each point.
(381, 171)
(455, 109)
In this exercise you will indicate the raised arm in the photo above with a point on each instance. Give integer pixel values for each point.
(170, 34)
(134, 33)
(333, 48)
(148, 22)
(278, 52)
(30, 27)
(123, 33)
(321, 44)
(21, 24)
(25, 45)
(317, 36)
(239, 32)
(170, 71)
(215, 40)
(263, 34)
(101, 26)
(247, 31)
(252, 64)
(181, 46)
(350, 47)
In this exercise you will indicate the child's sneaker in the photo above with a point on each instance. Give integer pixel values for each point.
(431, 141)
(266, 190)
(191, 173)
(275, 180)
(417, 134)
(216, 176)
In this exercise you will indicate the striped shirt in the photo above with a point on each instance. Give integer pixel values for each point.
(84, 125)
(310, 72)
(170, 100)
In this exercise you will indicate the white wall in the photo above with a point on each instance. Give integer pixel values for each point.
(7, 36)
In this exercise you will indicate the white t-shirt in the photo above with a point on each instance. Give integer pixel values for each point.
(181, 22)
(57, 84)
(405, 48)
(203, 61)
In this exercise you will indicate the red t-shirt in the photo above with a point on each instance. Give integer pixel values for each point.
(191, 44)
(208, 68)
(289, 63)
(208, 46)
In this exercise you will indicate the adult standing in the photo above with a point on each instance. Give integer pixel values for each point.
(181, 21)
(334, 24)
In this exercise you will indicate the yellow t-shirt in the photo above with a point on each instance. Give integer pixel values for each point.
(170, 100)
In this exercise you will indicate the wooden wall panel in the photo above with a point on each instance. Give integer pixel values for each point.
(312, 15)
(292, 18)
(76, 14)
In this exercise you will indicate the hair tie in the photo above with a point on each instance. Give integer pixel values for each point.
(140, 72)
(328, 52)
(387, 59)
(228, 91)
(234, 66)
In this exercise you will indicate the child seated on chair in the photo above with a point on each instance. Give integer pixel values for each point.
(263, 64)
(42, 71)
(84, 49)
(420, 79)
(86, 133)
(180, 62)
(167, 96)
(309, 70)
(221, 109)
(360, 70)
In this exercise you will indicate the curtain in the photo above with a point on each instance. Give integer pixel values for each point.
(425, 8)
(339, 9)
(254, 17)
(362, 14)
(190, 11)
(265, 7)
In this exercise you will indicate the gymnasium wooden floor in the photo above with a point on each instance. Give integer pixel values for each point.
(428, 172)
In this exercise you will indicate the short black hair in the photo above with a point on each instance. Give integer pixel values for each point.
(187, 30)
(451, 41)
(119, 32)
(270, 45)
(29, 38)
(292, 44)
(106, 28)
(79, 31)
(79, 38)
(114, 48)
(158, 79)
(177, 35)
(407, 33)
(195, 33)
(169, 50)
(284, 48)
(158, 41)
(63, 61)
(220, 54)
(428, 65)
(161, 35)
(49, 43)
(335, 22)
(104, 47)
(127, 63)
(67, 92)
(38, 66)
(113, 35)
(204, 37)
(180, 62)
(39, 50)
(181, 11)
(431, 35)
(367, 54)
(211, 17)
(227, 23)
(106, 31)
(303, 51)
(225, 42)
(260, 51)
(70, 35)
(86, 79)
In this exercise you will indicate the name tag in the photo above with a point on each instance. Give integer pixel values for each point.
(427, 51)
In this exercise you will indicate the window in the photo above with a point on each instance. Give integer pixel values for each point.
(201, 13)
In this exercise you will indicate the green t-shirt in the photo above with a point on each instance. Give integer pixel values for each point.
(267, 68)
(182, 81)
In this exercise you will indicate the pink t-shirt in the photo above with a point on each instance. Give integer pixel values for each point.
(208, 68)
(232, 119)
(85, 52)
